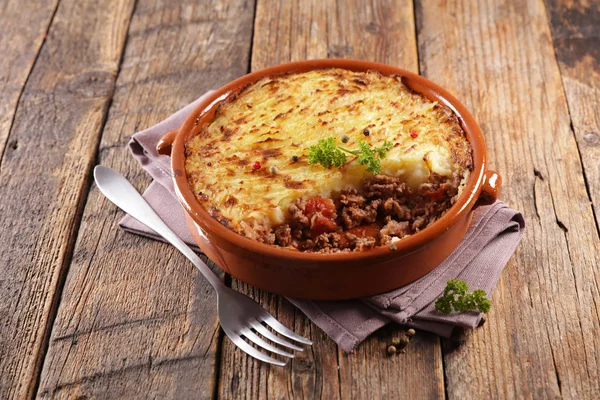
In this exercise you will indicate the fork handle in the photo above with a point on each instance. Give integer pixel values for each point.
(118, 190)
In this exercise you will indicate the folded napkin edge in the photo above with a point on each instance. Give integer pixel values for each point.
(142, 147)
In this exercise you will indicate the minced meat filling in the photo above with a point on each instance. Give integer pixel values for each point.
(385, 208)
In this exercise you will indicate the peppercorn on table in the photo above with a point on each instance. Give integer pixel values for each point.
(89, 311)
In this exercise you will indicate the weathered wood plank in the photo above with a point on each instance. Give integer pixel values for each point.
(576, 33)
(415, 374)
(542, 336)
(136, 320)
(45, 172)
(23, 26)
(380, 31)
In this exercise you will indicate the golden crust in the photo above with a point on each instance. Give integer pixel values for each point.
(250, 162)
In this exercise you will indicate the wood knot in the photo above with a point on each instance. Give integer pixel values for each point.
(338, 51)
(373, 27)
(303, 365)
(591, 138)
(91, 84)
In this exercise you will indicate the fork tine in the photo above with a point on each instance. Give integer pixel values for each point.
(251, 336)
(272, 337)
(239, 342)
(273, 323)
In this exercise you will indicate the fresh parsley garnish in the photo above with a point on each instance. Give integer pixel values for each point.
(456, 296)
(328, 153)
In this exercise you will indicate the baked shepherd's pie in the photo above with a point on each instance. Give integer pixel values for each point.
(328, 160)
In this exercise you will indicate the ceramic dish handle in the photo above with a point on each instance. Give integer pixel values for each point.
(166, 142)
(489, 189)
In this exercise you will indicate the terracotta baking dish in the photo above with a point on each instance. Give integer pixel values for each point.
(339, 275)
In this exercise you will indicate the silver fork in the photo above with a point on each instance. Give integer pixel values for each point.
(240, 316)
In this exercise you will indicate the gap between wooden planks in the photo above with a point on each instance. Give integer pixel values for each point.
(136, 320)
(462, 364)
(379, 31)
(576, 33)
(23, 30)
(52, 134)
(542, 336)
(497, 57)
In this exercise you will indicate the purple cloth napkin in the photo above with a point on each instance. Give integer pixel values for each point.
(494, 234)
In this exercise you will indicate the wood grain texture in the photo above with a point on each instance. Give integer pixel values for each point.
(136, 320)
(44, 175)
(369, 373)
(23, 27)
(576, 33)
(379, 31)
(542, 336)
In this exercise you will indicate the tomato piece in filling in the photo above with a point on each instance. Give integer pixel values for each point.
(321, 213)
(436, 195)
(364, 231)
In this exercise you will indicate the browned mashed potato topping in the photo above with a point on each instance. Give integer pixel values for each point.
(248, 167)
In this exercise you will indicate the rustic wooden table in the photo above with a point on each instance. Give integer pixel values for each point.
(88, 311)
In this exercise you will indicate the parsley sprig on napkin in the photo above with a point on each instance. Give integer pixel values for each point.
(456, 297)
